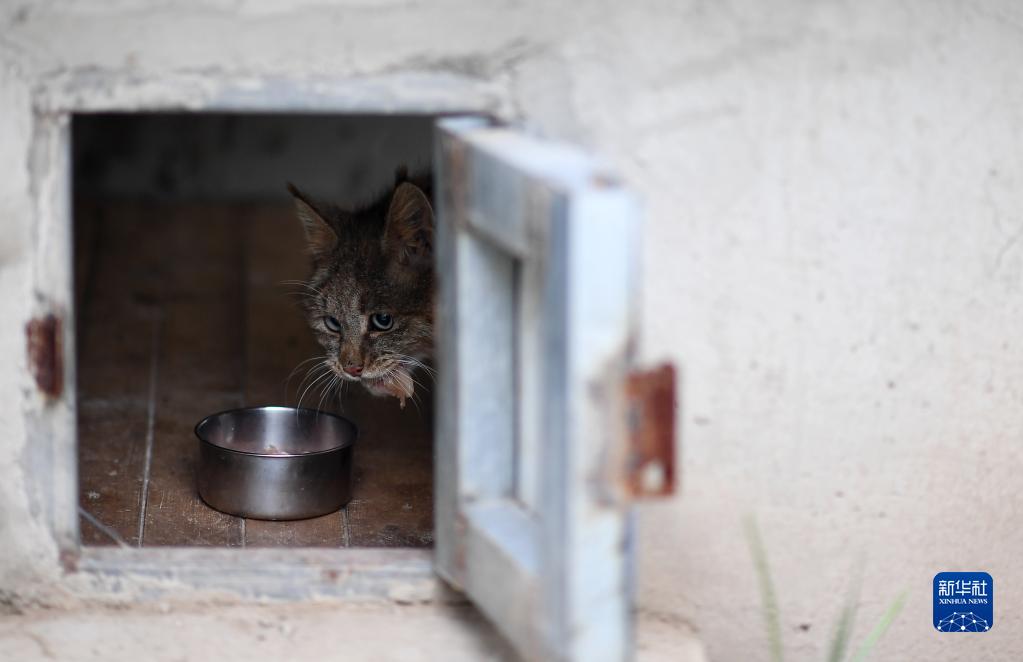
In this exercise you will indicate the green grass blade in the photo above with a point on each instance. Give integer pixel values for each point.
(847, 618)
(769, 603)
(840, 640)
(882, 626)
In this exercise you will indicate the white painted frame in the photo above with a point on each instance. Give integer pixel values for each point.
(537, 255)
(51, 453)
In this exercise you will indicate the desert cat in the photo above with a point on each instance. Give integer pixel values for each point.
(370, 297)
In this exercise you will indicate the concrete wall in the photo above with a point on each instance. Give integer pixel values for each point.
(833, 256)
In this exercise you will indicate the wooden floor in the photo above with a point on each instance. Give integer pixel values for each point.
(181, 313)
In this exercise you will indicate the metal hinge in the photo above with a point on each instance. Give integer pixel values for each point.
(650, 458)
(45, 354)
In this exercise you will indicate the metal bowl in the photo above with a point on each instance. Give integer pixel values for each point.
(275, 463)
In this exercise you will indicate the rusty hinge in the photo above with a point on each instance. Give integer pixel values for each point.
(650, 462)
(45, 355)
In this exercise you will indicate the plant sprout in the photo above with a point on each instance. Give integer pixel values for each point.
(843, 628)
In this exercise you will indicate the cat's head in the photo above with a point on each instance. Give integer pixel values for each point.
(370, 298)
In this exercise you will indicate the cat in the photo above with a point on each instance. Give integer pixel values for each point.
(370, 297)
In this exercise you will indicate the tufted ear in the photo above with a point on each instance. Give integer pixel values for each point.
(408, 235)
(320, 236)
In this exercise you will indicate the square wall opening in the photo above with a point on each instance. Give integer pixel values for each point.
(188, 263)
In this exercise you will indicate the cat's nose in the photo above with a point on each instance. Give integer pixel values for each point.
(353, 370)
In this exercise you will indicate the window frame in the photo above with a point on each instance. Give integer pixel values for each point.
(157, 573)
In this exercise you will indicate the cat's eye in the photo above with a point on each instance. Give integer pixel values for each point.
(381, 321)
(332, 324)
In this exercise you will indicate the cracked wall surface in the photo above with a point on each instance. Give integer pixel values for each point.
(833, 255)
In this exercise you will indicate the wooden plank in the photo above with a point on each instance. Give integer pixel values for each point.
(490, 545)
(277, 339)
(325, 531)
(113, 438)
(277, 336)
(202, 284)
(450, 202)
(590, 302)
(502, 544)
(115, 343)
(393, 492)
(199, 367)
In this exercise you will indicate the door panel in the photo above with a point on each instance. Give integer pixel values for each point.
(537, 254)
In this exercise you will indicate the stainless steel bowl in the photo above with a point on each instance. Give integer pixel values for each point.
(275, 463)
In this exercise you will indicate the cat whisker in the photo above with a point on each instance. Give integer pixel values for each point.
(397, 366)
(412, 367)
(415, 364)
(311, 384)
(296, 369)
(326, 391)
(341, 388)
(415, 401)
(412, 363)
(295, 281)
(303, 295)
(405, 359)
(335, 391)
(298, 283)
(318, 384)
(314, 371)
(301, 392)
(415, 393)
(409, 357)
(415, 381)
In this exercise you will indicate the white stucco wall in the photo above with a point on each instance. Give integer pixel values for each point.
(833, 256)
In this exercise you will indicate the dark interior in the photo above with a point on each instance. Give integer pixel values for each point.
(184, 242)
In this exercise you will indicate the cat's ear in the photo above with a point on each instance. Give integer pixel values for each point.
(320, 237)
(408, 236)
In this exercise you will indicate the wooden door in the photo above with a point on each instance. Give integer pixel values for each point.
(537, 267)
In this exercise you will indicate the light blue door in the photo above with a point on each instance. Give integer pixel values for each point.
(537, 263)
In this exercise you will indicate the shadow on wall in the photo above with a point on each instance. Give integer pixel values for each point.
(244, 157)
